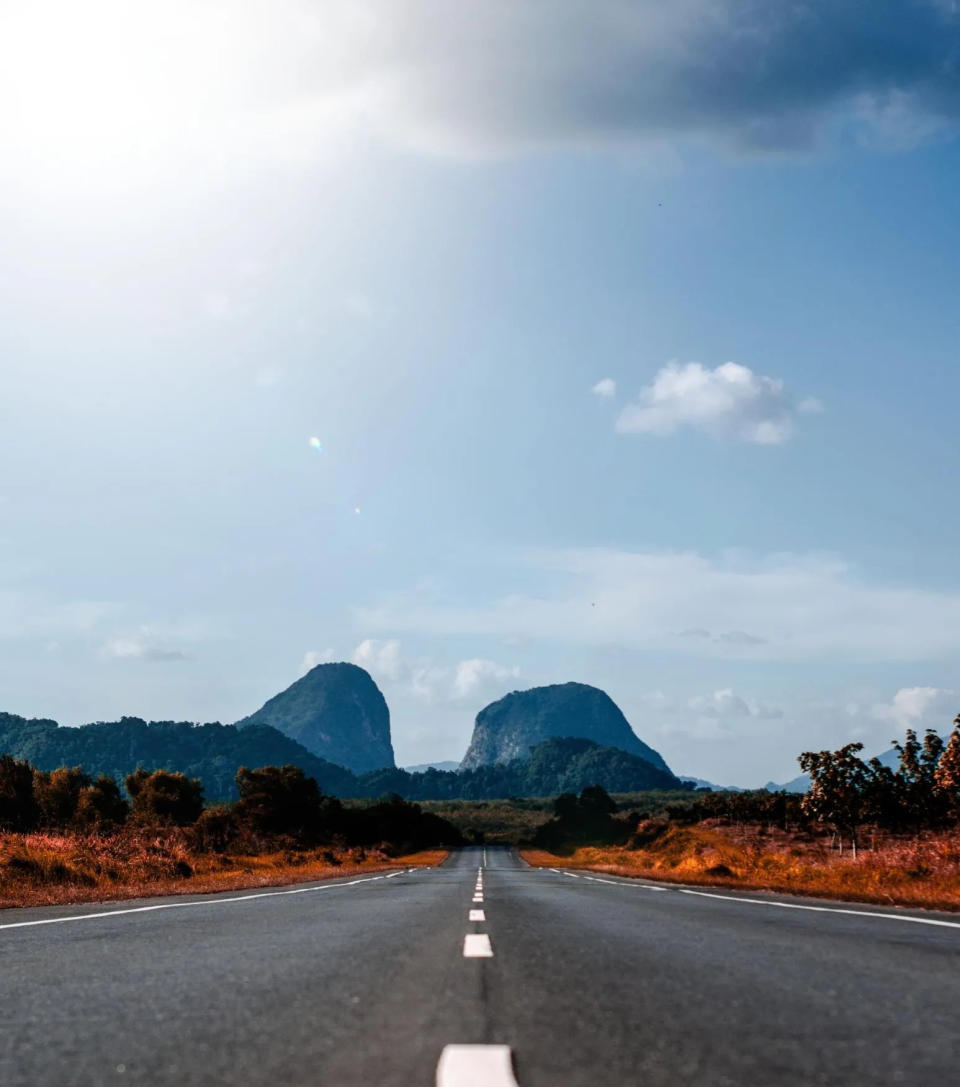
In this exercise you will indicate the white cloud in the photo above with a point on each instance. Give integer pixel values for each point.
(730, 401)
(605, 387)
(805, 607)
(380, 658)
(424, 678)
(313, 657)
(920, 708)
(471, 676)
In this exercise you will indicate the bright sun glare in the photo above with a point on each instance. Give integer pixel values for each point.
(104, 89)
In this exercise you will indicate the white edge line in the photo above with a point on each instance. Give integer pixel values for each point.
(185, 905)
(767, 901)
(824, 909)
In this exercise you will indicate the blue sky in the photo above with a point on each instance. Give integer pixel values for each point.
(629, 335)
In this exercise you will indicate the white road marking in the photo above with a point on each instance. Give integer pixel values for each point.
(187, 905)
(477, 898)
(824, 909)
(476, 945)
(484, 856)
(476, 1066)
(477, 915)
(768, 901)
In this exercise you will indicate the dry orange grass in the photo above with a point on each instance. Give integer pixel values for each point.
(923, 872)
(49, 869)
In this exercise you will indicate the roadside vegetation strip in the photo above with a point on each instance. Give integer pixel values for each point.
(185, 905)
(60, 870)
(635, 884)
(476, 1066)
(922, 872)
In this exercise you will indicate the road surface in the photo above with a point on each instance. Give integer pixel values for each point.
(474, 972)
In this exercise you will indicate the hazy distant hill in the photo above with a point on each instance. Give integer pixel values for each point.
(337, 712)
(423, 767)
(507, 729)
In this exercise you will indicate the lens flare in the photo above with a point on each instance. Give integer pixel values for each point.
(315, 443)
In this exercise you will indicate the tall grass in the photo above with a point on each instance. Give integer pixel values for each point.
(922, 871)
(45, 869)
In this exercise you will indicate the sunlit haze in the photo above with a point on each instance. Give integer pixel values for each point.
(486, 346)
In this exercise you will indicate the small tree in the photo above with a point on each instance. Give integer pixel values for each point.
(838, 790)
(160, 796)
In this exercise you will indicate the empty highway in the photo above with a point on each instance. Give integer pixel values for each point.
(474, 972)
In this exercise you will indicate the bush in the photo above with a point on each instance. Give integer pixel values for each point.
(18, 810)
(161, 797)
(282, 800)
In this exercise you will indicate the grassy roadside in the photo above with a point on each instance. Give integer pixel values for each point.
(922, 872)
(57, 869)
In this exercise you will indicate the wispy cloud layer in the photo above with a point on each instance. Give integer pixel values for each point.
(779, 608)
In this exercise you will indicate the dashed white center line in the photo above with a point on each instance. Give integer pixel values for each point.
(476, 1066)
(477, 915)
(476, 945)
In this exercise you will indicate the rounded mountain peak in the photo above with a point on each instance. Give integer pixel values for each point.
(337, 712)
(509, 727)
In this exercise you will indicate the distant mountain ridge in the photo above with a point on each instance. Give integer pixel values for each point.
(506, 729)
(337, 712)
(211, 752)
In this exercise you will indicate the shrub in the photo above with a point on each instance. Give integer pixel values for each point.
(162, 797)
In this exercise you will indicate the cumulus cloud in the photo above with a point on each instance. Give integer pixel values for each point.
(605, 387)
(730, 401)
(920, 708)
(471, 676)
(804, 608)
(313, 657)
(380, 658)
(426, 679)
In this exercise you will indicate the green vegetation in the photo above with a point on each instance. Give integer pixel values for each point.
(213, 753)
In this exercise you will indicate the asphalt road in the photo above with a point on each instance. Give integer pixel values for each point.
(590, 982)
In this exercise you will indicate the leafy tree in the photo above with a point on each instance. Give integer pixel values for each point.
(162, 797)
(838, 789)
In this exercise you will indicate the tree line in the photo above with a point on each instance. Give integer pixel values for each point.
(923, 792)
(277, 805)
